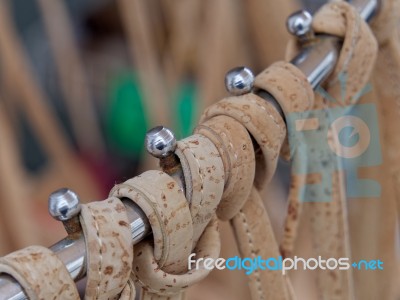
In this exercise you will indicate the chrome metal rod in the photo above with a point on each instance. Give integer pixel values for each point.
(72, 253)
(316, 61)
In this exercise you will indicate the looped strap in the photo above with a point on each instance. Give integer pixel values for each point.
(295, 96)
(167, 210)
(358, 52)
(40, 273)
(158, 284)
(204, 174)
(108, 246)
(264, 124)
(236, 149)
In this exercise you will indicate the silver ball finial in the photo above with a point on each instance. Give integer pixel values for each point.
(299, 23)
(239, 81)
(64, 204)
(160, 142)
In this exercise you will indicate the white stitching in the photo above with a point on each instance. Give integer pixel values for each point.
(100, 251)
(198, 171)
(250, 242)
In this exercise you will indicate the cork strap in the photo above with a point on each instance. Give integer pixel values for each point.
(184, 219)
(266, 126)
(386, 78)
(358, 52)
(385, 96)
(167, 210)
(158, 284)
(108, 246)
(237, 153)
(356, 62)
(40, 273)
(328, 219)
(129, 291)
(255, 238)
(204, 179)
(290, 88)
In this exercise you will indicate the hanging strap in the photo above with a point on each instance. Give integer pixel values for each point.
(328, 219)
(255, 238)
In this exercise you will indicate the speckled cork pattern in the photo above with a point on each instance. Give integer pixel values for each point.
(167, 210)
(385, 95)
(265, 125)
(109, 248)
(41, 274)
(237, 152)
(329, 220)
(255, 237)
(262, 121)
(204, 177)
(290, 88)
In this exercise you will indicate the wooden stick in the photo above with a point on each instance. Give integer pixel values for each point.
(143, 53)
(184, 21)
(74, 83)
(221, 49)
(14, 189)
(19, 78)
(267, 30)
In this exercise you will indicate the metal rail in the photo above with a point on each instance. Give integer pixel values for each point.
(317, 61)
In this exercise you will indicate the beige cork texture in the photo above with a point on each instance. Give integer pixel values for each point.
(264, 124)
(167, 210)
(158, 284)
(109, 248)
(41, 274)
(204, 177)
(236, 149)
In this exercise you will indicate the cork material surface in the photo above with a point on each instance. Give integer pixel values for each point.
(108, 246)
(158, 284)
(41, 274)
(204, 179)
(264, 124)
(255, 238)
(168, 212)
(237, 152)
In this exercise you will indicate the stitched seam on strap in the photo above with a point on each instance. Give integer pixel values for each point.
(269, 114)
(100, 251)
(136, 189)
(219, 138)
(250, 241)
(189, 191)
(201, 177)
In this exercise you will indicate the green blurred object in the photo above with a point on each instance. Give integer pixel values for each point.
(186, 109)
(126, 119)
